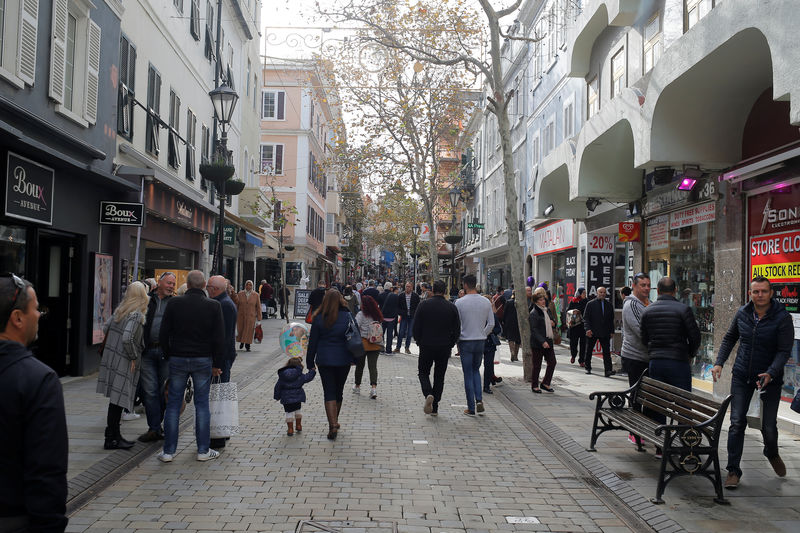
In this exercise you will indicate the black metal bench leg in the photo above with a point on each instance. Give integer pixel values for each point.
(639, 447)
(595, 433)
(662, 483)
(720, 499)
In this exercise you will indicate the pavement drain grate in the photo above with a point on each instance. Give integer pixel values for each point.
(344, 526)
(522, 520)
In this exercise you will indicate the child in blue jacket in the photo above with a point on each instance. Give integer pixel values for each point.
(289, 390)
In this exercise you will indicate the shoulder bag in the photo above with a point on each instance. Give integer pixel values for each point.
(353, 338)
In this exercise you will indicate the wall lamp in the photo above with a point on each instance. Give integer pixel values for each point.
(592, 203)
(689, 178)
(548, 210)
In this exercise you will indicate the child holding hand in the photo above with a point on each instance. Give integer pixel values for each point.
(289, 391)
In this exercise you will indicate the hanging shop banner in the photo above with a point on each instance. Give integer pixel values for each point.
(630, 232)
(691, 216)
(775, 211)
(571, 272)
(658, 233)
(29, 190)
(776, 257)
(554, 237)
(600, 263)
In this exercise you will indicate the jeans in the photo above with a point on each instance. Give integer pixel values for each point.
(436, 358)
(488, 367)
(155, 371)
(742, 392)
(605, 345)
(371, 359)
(388, 330)
(180, 368)
(674, 372)
(471, 359)
(406, 328)
(227, 364)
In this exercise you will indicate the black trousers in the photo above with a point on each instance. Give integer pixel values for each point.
(436, 358)
(605, 344)
(333, 380)
(576, 340)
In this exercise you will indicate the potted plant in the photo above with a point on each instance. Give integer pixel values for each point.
(217, 171)
(234, 186)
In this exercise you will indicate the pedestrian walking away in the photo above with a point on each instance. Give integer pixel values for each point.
(370, 324)
(408, 303)
(764, 330)
(575, 327)
(216, 289)
(489, 350)
(542, 327)
(155, 368)
(477, 321)
(121, 360)
(283, 300)
(598, 321)
(437, 327)
(510, 324)
(315, 297)
(328, 353)
(390, 307)
(289, 391)
(33, 454)
(635, 358)
(193, 337)
(248, 305)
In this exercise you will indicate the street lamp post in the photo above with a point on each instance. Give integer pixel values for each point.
(414, 255)
(453, 238)
(282, 264)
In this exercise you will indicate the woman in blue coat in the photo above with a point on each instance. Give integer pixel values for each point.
(328, 354)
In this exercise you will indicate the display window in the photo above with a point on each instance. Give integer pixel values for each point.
(12, 249)
(681, 245)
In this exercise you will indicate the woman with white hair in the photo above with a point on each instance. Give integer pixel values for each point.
(121, 361)
(248, 305)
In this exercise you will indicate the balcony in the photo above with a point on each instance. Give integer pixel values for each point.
(596, 16)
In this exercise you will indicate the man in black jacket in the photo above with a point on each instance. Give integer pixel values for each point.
(670, 332)
(33, 454)
(216, 288)
(598, 320)
(155, 369)
(437, 328)
(193, 339)
(763, 352)
(315, 297)
(409, 301)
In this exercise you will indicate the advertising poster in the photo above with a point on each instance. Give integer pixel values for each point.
(571, 272)
(301, 302)
(600, 263)
(101, 297)
(658, 233)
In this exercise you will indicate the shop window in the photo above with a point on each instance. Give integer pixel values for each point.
(127, 92)
(153, 110)
(273, 105)
(652, 42)
(12, 249)
(74, 61)
(18, 37)
(592, 98)
(618, 73)
(173, 153)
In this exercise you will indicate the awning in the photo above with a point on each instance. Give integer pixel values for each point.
(252, 239)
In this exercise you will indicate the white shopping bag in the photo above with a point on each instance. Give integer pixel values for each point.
(756, 411)
(223, 402)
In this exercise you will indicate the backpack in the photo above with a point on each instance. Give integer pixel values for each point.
(374, 333)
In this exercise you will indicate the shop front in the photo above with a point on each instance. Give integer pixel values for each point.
(498, 272)
(556, 253)
(679, 242)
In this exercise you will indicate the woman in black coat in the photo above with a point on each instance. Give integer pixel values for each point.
(576, 331)
(542, 333)
(511, 326)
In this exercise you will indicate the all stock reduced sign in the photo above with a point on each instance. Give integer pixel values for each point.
(776, 257)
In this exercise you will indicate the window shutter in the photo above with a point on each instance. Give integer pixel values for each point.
(281, 101)
(26, 40)
(195, 20)
(279, 159)
(58, 51)
(92, 72)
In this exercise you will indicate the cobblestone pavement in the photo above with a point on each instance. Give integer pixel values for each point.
(521, 467)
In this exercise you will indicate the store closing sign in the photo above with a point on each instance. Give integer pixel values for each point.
(600, 263)
(776, 256)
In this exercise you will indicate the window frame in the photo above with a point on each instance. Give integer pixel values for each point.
(126, 87)
(274, 157)
(592, 97)
(152, 141)
(568, 118)
(651, 47)
(618, 75)
(205, 151)
(173, 149)
(279, 113)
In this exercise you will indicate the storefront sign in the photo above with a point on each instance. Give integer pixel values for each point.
(571, 271)
(630, 231)
(229, 236)
(553, 237)
(775, 211)
(776, 256)
(184, 210)
(789, 295)
(301, 302)
(173, 208)
(122, 213)
(600, 263)
(691, 216)
(658, 233)
(29, 190)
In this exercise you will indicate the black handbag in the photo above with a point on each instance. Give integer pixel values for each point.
(353, 338)
(796, 402)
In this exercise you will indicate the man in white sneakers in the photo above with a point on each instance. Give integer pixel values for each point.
(477, 321)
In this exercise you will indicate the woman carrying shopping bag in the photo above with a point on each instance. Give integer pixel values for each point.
(121, 361)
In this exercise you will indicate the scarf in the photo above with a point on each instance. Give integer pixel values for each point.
(548, 328)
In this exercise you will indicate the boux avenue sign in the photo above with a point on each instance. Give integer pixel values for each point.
(29, 190)
(122, 213)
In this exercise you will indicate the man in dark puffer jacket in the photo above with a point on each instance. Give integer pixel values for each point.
(672, 337)
(765, 333)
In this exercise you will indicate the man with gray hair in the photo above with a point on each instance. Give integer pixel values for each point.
(192, 337)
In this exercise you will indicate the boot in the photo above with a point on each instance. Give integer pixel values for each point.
(114, 440)
(332, 412)
(298, 423)
(290, 431)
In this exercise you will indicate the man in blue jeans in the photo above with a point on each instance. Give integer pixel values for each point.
(409, 301)
(477, 321)
(765, 333)
(192, 336)
(155, 369)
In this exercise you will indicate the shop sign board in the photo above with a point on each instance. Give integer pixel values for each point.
(776, 257)
(301, 302)
(424, 232)
(629, 231)
(600, 263)
(229, 235)
(658, 233)
(29, 190)
(775, 211)
(571, 271)
(554, 237)
(691, 216)
(122, 213)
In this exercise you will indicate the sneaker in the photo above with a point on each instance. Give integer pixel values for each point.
(428, 408)
(373, 393)
(408, 351)
(127, 417)
(778, 466)
(356, 389)
(732, 481)
(631, 438)
(208, 456)
(479, 407)
(469, 413)
(165, 457)
(659, 453)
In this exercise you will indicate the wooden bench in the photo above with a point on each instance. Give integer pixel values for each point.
(689, 440)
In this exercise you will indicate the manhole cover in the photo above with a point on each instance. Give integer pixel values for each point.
(345, 526)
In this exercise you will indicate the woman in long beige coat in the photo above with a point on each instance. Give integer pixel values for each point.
(248, 304)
